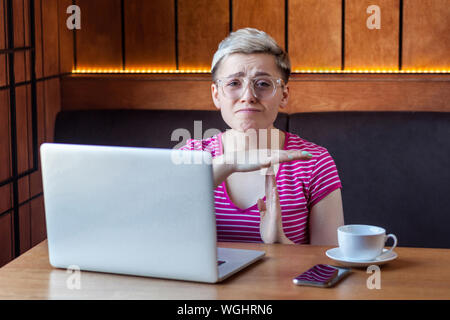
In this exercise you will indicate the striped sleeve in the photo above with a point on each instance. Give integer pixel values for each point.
(324, 179)
(189, 145)
(209, 145)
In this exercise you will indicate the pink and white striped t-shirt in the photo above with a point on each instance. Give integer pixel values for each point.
(300, 183)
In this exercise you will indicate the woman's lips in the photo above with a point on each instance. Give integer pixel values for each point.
(248, 110)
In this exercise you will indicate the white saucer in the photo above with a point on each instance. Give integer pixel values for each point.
(336, 255)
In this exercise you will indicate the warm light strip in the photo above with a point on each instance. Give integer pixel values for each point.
(141, 71)
(153, 71)
(372, 71)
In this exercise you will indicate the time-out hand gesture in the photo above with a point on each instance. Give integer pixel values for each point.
(252, 160)
(271, 226)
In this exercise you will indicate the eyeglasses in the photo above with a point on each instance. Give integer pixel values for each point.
(262, 88)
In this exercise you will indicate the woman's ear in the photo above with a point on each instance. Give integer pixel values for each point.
(285, 97)
(215, 95)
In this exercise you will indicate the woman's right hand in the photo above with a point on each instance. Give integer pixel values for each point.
(252, 160)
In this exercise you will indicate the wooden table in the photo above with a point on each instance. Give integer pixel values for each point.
(416, 274)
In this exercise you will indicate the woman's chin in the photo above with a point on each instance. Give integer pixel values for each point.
(246, 125)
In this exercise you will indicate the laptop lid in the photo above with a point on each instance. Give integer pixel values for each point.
(139, 211)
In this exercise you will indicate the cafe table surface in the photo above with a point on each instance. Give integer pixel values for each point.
(417, 273)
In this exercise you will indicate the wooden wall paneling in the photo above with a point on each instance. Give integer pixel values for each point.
(19, 66)
(6, 253)
(38, 225)
(315, 34)
(371, 48)
(38, 38)
(150, 42)
(50, 39)
(2, 26)
(22, 141)
(5, 197)
(27, 38)
(3, 70)
(362, 93)
(19, 40)
(269, 17)
(307, 93)
(26, 23)
(35, 177)
(99, 42)
(30, 128)
(5, 151)
(27, 56)
(124, 92)
(3, 60)
(18, 21)
(426, 34)
(202, 24)
(24, 227)
(52, 106)
(66, 59)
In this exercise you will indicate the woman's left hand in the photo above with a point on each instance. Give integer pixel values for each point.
(271, 225)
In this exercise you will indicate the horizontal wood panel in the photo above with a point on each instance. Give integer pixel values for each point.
(201, 26)
(268, 16)
(426, 34)
(123, 93)
(313, 96)
(310, 93)
(315, 35)
(150, 43)
(371, 48)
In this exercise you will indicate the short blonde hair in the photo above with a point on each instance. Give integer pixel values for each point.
(251, 40)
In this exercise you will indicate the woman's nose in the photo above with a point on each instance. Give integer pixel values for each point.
(247, 94)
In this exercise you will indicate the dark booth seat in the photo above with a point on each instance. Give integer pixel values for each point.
(140, 128)
(394, 166)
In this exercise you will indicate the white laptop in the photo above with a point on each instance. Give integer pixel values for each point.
(137, 211)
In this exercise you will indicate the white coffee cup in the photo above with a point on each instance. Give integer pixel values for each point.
(363, 242)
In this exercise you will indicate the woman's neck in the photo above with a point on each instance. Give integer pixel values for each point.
(270, 138)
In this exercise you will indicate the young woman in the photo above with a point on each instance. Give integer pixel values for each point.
(270, 185)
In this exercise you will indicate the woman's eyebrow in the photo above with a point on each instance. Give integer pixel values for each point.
(240, 74)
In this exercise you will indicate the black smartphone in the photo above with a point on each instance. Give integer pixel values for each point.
(321, 275)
